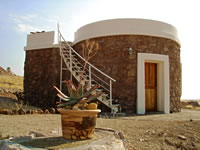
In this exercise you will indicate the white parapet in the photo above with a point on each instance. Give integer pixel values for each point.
(40, 40)
(126, 27)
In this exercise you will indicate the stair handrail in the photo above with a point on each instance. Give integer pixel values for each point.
(84, 59)
(60, 38)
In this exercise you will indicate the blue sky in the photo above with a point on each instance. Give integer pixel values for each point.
(19, 17)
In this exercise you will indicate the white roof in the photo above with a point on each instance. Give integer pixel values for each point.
(126, 27)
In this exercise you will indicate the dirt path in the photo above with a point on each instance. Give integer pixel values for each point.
(166, 132)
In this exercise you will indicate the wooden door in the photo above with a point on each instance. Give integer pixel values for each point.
(151, 87)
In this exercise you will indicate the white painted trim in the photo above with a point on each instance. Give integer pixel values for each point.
(162, 84)
(39, 47)
(40, 40)
(126, 27)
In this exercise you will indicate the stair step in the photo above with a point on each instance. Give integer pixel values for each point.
(100, 90)
(65, 51)
(105, 102)
(76, 60)
(66, 48)
(72, 58)
(77, 71)
(77, 67)
(74, 65)
(68, 56)
(86, 76)
(105, 95)
(77, 63)
(89, 80)
(65, 69)
(107, 99)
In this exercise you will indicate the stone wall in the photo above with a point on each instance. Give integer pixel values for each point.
(113, 58)
(42, 69)
(41, 72)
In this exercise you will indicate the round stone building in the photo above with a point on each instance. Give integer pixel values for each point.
(143, 56)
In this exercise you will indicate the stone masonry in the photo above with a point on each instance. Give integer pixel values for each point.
(41, 72)
(113, 58)
(42, 69)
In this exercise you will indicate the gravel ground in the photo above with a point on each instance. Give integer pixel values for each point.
(166, 132)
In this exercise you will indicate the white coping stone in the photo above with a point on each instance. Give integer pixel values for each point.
(40, 40)
(126, 27)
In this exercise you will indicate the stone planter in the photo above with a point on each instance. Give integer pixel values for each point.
(78, 124)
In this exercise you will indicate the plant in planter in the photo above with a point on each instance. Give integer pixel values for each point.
(78, 99)
(78, 113)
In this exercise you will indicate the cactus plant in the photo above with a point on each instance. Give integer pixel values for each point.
(77, 96)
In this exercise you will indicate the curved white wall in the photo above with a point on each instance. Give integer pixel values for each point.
(126, 27)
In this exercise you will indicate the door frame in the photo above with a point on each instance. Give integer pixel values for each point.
(162, 62)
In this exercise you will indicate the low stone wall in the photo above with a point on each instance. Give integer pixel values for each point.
(113, 58)
(9, 90)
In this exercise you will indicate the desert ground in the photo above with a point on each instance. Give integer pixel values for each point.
(147, 132)
(158, 131)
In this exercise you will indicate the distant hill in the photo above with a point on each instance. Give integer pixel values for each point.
(5, 72)
(2, 71)
(9, 81)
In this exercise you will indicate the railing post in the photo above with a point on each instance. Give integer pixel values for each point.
(90, 77)
(110, 92)
(70, 54)
(61, 74)
(58, 36)
(61, 63)
(59, 43)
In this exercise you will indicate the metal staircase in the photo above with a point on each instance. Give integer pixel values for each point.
(73, 62)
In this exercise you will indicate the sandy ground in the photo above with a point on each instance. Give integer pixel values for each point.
(159, 131)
